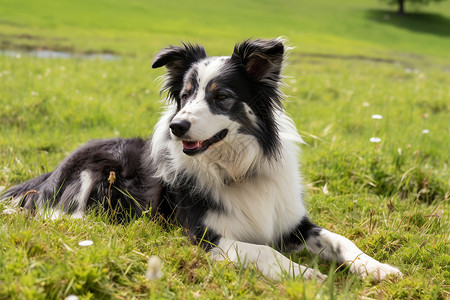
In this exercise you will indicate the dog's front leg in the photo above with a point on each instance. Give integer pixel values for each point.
(270, 262)
(330, 245)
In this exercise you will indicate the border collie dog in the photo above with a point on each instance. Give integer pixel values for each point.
(223, 162)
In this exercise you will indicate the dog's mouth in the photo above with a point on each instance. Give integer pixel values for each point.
(195, 147)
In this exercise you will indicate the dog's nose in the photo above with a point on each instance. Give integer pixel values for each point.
(179, 128)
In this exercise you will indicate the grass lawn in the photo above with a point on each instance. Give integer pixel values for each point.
(352, 59)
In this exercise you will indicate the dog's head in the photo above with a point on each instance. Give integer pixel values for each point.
(220, 97)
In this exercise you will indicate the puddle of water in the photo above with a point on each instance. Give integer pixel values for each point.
(58, 54)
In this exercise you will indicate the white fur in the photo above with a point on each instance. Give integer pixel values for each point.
(204, 124)
(269, 262)
(50, 213)
(267, 204)
(82, 197)
(85, 187)
(209, 68)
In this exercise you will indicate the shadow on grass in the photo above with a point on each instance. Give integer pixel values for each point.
(418, 22)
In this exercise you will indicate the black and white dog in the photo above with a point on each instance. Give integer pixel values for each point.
(223, 161)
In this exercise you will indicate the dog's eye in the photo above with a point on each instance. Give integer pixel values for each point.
(220, 97)
(183, 96)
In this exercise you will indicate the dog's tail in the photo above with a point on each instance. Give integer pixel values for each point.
(28, 193)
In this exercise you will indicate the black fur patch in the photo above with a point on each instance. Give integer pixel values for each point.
(177, 60)
(304, 230)
(188, 206)
(238, 87)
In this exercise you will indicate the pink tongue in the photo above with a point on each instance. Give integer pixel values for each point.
(191, 145)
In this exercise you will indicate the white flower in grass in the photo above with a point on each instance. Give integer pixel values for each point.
(154, 268)
(375, 139)
(71, 297)
(325, 189)
(86, 243)
(425, 131)
(377, 117)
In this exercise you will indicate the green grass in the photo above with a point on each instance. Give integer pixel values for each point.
(140, 27)
(351, 60)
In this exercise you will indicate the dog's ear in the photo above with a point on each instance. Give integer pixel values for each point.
(177, 60)
(261, 58)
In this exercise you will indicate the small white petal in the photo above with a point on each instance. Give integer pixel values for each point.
(375, 139)
(86, 243)
(325, 189)
(425, 131)
(377, 117)
(72, 297)
(154, 268)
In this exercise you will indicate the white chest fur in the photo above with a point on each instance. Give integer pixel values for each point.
(262, 209)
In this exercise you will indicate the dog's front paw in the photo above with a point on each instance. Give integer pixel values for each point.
(366, 266)
(381, 271)
(309, 273)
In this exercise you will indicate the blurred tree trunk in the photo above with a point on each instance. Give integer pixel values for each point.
(401, 7)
